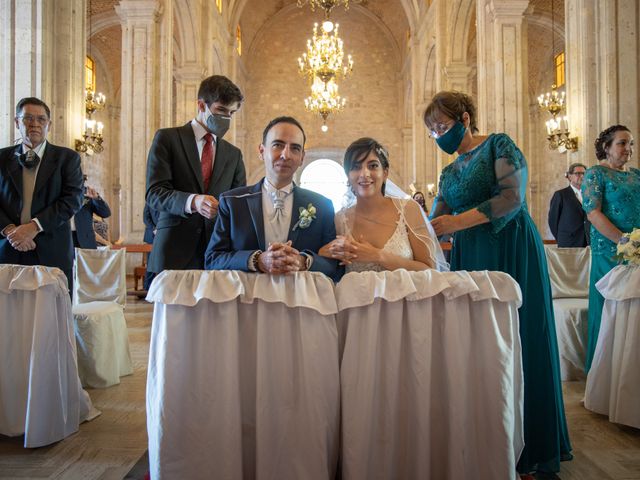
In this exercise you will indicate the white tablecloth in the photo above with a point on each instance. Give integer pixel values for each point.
(40, 393)
(244, 383)
(431, 375)
(613, 382)
(243, 377)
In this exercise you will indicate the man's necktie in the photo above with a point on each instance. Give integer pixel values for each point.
(29, 160)
(278, 203)
(207, 160)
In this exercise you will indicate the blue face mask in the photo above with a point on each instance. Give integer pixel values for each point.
(450, 141)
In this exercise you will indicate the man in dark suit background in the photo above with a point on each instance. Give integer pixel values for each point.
(84, 235)
(40, 190)
(150, 218)
(274, 226)
(187, 170)
(567, 220)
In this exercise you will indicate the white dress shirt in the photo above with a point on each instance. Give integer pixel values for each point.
(577, 192)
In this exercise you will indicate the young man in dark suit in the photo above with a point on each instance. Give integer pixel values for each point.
(274, 226)
(84, 235)
(40, 190)
(187, 170)
(567, 220)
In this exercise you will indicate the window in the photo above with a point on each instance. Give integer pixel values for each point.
(239, 40)
(327, 178)
(90, 73)
(559, 63)
(219, 5)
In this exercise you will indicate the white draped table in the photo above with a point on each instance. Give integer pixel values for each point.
(40, 392)
(243, 376)
(244, 381)
(431, 375)
(613, 382)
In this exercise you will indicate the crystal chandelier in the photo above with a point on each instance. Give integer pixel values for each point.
(324, 100)
(326, 5)
(324, 57)
(323, 64)
(558, 134)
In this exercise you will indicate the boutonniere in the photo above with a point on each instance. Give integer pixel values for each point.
(306, 216)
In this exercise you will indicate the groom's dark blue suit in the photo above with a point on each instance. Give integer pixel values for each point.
(239, 230)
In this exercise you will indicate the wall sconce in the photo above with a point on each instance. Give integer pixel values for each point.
(431, 190)
(91, 138)
(558, 135)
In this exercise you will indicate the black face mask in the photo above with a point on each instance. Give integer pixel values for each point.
(28, 160)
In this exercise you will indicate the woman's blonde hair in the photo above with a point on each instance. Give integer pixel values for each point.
(452, 104)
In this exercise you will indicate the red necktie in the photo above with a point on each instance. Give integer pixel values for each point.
(207, 160)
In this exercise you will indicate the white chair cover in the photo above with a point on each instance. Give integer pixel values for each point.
(100, 275)
(613, 382)
(100, 294)
(243, 377)
(569, 270)
(40, 393)
(431, 375)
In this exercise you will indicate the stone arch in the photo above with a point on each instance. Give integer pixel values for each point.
(187, 32)
(463, 12)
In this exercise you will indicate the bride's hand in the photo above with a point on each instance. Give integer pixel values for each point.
(342, 248)
(366, 252)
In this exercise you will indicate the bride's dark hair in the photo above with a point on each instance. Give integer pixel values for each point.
(358, 151)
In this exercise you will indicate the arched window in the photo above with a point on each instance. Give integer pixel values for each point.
(239, 40)
(559, 65)
(219, 5)
(90, 74)
(327, 178)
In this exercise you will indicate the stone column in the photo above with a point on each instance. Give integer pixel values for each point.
(459, 77)
(603, 87)
(139, 115)
(187, 78)
(502, 68)
(42, 49)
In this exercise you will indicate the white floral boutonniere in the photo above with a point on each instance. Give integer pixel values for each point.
(306, 217)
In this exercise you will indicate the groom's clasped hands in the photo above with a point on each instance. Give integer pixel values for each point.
(281, 258)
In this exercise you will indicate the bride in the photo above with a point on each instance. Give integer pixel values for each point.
(380, 232)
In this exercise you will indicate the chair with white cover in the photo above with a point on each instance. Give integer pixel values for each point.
(99, 296)
(40, 392)
(569, 270)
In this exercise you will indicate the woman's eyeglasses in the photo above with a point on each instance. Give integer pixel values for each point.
(439, 129)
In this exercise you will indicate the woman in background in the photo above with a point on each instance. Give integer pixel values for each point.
(481, 200)
(610, 196)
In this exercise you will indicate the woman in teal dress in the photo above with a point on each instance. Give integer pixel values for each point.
(611, 198)
(481, 200)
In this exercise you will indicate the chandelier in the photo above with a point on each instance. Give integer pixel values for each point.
(92, 138)
(323, 64)
(324, 57)
(326, 5)
(558, 134)
(324, 100)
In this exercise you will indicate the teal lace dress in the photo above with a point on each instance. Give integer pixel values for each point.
(617, 195)
(492, 178)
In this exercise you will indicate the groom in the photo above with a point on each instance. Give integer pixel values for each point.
(274, 226)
